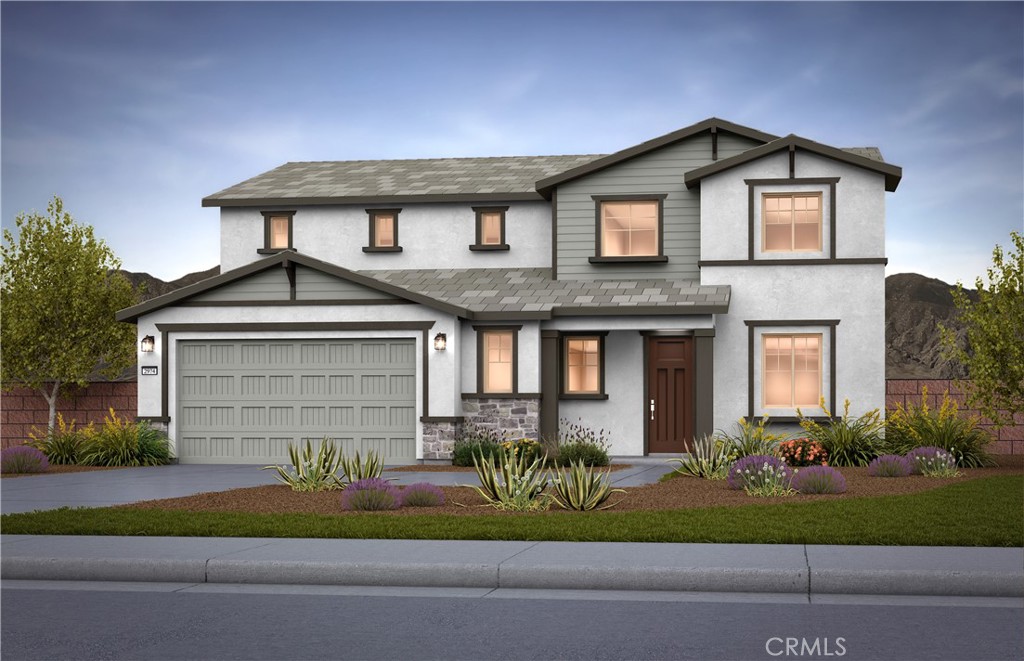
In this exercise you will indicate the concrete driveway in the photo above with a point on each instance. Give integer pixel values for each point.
(129, 485)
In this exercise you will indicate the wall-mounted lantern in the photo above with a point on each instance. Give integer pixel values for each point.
(148, 344)
(440, 342)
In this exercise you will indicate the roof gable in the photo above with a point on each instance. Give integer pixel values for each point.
(865, 157)
(713, 124)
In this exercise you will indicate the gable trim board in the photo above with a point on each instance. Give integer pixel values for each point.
(892, 173)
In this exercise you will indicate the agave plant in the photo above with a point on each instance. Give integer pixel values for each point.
(310, 473)
(583, 488)
(356, 468)
(515, 483)
(708, 459)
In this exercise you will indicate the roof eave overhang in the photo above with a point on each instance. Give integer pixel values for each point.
(548, 184)
(892, 173)
(133, 313)
(214, 201)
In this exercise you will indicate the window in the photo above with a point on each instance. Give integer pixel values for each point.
(383, 231)
(277, 231)
(498, 361)
(792, 370)
(583, 365)
(629, 228)
(791, 222)
(490, 228)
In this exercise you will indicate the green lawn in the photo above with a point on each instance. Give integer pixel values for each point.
(982, 512)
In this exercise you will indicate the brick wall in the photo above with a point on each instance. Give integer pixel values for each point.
(1008, 440)
(22, 408)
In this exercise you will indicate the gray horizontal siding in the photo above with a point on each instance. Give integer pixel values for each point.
(659, 172)
(313, 285)
(269, 285)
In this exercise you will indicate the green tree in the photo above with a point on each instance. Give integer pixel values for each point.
(994, 323)
(60, 288)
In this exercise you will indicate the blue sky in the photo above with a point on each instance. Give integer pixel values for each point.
(133, 112)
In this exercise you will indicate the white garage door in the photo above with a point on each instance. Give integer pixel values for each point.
(244, 401)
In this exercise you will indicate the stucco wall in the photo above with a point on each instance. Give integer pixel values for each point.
(431, 236)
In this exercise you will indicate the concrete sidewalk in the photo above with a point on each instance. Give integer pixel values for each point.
(795, 569)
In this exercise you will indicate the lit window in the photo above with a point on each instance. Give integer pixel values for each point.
(497, 359)
(792, 370)
(629, 228)
(583, 365)
(490, 229)
(383, 231)
(791, 222)
(277, 230)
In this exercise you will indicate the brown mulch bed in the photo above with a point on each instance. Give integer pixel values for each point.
(678, 493)
(65, 469)
(448, 468)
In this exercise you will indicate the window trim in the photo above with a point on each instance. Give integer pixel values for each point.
(764, 369)
(765, 195)
(267, 215)
(477, 245)
(828, 327)
(373, 213)
(828, 253)
(563, 376)
(599, 258)
(480, 355)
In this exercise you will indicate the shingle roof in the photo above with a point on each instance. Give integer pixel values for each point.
(303, 182)
(532, 290)
(874, 153)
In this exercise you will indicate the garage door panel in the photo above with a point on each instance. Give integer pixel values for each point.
(246, 401)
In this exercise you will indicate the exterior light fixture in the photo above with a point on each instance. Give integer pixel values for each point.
(440, 342)
(148, 344)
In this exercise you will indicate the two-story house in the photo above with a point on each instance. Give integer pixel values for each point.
(657, 293)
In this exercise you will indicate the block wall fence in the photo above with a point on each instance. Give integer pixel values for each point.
(21, 408)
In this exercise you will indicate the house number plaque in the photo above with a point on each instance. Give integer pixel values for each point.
(149, 371)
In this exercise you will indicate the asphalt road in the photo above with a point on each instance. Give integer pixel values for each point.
(53, 620)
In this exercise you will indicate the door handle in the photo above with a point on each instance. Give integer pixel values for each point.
(652, 409)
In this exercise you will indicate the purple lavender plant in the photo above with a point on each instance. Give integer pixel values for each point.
(371, 494)
(819, 479)
(23, 459)
(890, 465)
(757, 470)
(422, 494)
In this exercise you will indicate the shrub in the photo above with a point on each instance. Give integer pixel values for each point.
(371, 495)
(915, 426)
(819, 479)
(889, 465)
(932, 462)
(422, 494)
(800, 452)
(356, 469)
(475, 441)
(62, 444)
(750, 440)
(520, 486)
(23, 459)
(761, 475)
(582, 488)
(527, 447)
(120, 442)
(848, 441)
(310, 473)
(708, 459)
(579, 443)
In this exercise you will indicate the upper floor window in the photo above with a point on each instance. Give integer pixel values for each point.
(383, 231)
(490, 228)
(277, 230)
(629, 228)
(791, 222)
(792, 370)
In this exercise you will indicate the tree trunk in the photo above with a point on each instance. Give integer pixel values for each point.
(51, 399)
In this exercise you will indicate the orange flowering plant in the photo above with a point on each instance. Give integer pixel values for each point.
(802, 452)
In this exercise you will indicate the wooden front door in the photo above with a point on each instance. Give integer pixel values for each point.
(670, 399)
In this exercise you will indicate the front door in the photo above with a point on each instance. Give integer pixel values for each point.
(669, 408)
